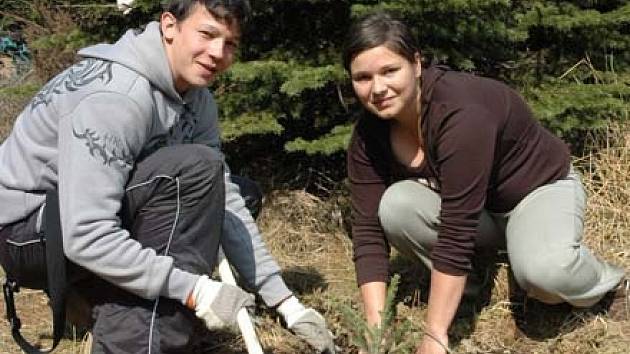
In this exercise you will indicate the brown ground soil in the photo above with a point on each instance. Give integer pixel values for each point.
(7, 68)
(307, 236)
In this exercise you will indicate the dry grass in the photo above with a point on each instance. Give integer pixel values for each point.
(10, 107)
(607, 181)
(7, 68)
(59, 27)
(12, 101)
(306, 235)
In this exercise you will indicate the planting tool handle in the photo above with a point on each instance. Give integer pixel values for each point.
(242, 317)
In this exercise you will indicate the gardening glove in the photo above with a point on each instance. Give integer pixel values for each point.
(217, 304)
(307, 324)
(125, 6)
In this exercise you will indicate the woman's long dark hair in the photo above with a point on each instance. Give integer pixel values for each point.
(375, 30)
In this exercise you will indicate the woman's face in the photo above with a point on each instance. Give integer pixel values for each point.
(386, 82)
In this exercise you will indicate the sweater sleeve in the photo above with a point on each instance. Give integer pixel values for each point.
(241, 240)
(245, 249)
(98, 141)
(465, 147)
(371, 250)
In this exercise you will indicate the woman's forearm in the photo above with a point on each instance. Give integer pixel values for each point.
(373, 294)
(444, 297)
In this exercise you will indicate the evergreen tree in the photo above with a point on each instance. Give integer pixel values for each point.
(288, 92)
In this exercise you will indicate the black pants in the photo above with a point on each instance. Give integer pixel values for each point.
(174, 203)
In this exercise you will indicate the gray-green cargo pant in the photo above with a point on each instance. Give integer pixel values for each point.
(542, 236)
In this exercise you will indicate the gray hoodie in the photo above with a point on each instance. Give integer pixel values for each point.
(83, 132)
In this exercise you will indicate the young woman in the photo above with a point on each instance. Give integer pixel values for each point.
(444, 165)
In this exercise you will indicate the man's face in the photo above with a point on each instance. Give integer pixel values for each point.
(199, 47)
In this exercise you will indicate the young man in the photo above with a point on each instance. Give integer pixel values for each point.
(129, 137)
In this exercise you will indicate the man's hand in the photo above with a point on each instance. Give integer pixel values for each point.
(307, 324)
(216, 303)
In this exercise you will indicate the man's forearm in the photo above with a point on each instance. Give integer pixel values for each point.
(247, 252)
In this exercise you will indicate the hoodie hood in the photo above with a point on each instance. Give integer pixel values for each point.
(142, 52)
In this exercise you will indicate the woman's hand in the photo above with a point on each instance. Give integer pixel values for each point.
(444, 297)
(432, 344)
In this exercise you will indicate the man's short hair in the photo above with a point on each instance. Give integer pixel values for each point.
(227, 10)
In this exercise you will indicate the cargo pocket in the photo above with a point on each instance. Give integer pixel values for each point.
(23, 253)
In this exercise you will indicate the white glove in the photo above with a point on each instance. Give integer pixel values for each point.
(125, 6)
(307, 324)
(217, 304)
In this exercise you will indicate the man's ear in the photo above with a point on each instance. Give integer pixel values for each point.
(168, 25)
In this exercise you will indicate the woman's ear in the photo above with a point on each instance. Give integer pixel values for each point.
(418, 64)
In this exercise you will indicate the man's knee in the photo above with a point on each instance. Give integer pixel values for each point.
(191, 160)
(187, 169)
(189, 177)
(186, 160)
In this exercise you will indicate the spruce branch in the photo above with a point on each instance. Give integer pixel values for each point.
(388, 336)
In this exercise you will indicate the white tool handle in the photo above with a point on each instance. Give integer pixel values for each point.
(242, 317)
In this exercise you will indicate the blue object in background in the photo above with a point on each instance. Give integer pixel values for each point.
(16, 50)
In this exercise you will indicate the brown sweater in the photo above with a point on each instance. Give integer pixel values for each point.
(482, 146)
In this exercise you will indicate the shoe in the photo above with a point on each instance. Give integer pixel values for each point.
(484, 270)
(617, 302)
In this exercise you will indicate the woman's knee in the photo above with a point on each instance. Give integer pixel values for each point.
(554, 276)
(408, 208)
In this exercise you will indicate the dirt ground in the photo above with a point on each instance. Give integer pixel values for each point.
(307, 234)
(317, 265)
(7, 68)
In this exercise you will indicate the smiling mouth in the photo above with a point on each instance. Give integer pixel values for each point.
(209, 69)
(382, 102)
